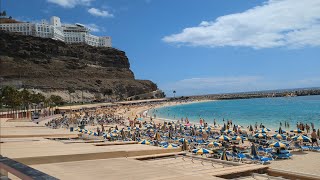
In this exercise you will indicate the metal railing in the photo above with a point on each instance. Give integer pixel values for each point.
(20, 170)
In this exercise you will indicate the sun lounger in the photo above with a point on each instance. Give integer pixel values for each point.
(281, 156)
(239, 157)
(314, 148)
(258, 159)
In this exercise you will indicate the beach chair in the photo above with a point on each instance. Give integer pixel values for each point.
(298, 147)
(231, 156)
(264, 160)
(315, 148)
(258, 159)
(248, 159)
(281, 156)
(239, 157)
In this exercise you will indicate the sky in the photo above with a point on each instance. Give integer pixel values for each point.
(201, 47)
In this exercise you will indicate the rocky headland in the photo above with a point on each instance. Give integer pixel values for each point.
(53, 67)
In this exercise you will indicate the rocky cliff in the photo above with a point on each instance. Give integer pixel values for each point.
(52, 66)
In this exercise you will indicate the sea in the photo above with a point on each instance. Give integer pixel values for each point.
(268, 111)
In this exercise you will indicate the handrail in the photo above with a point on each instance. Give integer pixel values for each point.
(22, 171)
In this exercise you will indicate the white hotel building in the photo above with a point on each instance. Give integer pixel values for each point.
(67, 33)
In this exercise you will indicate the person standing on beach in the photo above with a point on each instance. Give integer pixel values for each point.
(314, 137)
(307, 128)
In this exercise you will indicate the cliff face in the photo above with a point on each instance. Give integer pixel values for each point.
(50, 65)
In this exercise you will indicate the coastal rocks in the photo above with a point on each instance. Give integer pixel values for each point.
(49, 65)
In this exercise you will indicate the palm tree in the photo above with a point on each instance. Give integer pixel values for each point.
(36, 99)
(10, 97)
(26, 100)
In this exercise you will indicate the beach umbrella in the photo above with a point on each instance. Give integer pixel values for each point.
(227, 131)
(260, 135)
(224, 138)
(214, 144)
(296, 131)
(263, 130)
(253, 150)
(301, 138)
(115, 131)
(279, 136)
(202, 151)
(278, 145)
(238, 138)
(170, 146)
(145, 142)
(224, 156)
(108, 135)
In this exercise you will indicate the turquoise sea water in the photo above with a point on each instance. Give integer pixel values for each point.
(268, 111)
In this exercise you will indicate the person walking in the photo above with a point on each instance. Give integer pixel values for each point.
(314, 138)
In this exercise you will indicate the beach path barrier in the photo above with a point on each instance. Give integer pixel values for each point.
(20, 170)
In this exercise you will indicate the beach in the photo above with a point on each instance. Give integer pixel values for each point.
(52, 149)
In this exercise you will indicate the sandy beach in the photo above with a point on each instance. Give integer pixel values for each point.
(303, 162)
(32, 143)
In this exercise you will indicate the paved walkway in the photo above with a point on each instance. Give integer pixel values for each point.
(119, 168)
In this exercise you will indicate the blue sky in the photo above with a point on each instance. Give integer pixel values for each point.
(201, 47)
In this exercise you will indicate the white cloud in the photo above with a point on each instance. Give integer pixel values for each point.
(94, 27)
(276, 23)
(98, 12)
(71, 3)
